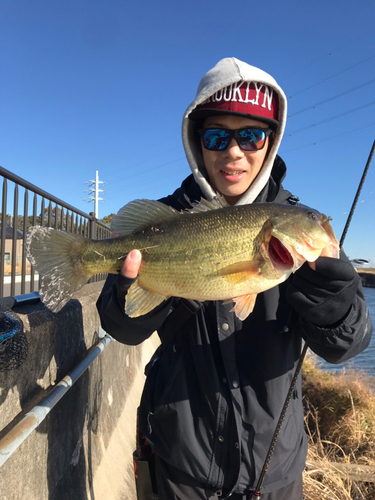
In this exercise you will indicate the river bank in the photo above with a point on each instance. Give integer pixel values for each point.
(339, 402)
(367, 276)
(340, 424)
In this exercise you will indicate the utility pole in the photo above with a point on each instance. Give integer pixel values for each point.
(94, 189)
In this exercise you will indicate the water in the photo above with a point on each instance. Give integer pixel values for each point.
(366, 360)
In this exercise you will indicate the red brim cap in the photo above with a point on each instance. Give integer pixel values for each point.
(252, 99)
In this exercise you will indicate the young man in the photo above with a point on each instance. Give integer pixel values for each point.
(212, 400)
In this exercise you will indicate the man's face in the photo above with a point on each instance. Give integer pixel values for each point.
(232, 171)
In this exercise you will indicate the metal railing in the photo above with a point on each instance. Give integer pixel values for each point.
(17, 276)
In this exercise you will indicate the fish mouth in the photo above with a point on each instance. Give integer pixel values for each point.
(280, 256)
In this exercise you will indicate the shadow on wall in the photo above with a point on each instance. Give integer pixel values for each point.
(55, 348)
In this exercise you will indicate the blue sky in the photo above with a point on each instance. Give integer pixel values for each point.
(85, 81)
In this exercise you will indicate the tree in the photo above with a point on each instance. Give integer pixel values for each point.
(107, 219)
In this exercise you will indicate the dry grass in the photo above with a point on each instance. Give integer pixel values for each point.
(340, 423)
(8, 268)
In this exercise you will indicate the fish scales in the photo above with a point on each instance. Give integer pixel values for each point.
(190, 254)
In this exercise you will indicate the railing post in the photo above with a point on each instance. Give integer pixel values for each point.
(3, 236)
(92, 226)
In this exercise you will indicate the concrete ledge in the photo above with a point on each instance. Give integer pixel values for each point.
(83, 449)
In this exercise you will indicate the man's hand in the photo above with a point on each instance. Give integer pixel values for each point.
(324, 295)
(131, 265)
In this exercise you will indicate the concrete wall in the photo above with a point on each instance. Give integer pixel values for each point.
(83, 449)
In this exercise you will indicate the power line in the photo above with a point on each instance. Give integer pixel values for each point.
(333, 98)
(351, 131)
(156, 156)
(330, 77)
(311, 63)
(332, 118)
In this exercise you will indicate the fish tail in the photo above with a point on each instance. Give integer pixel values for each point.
(57, 256)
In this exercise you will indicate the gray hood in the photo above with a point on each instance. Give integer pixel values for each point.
(227, 72)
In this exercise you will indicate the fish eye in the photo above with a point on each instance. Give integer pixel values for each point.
(312, 216)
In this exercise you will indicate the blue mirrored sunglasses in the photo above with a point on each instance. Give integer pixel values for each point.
(248, 139)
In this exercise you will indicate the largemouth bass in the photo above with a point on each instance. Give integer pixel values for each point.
(211, 252)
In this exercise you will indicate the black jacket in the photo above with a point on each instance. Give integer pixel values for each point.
(212, 400)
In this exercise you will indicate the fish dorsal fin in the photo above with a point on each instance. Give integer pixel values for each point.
(206, 206)
(140, 301)
(140, 213)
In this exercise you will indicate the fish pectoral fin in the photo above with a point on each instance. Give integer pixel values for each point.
(241, 271)
(244, 305)
(139, 301)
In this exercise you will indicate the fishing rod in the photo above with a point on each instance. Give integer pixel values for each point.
(357, 194)
(256, 494)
